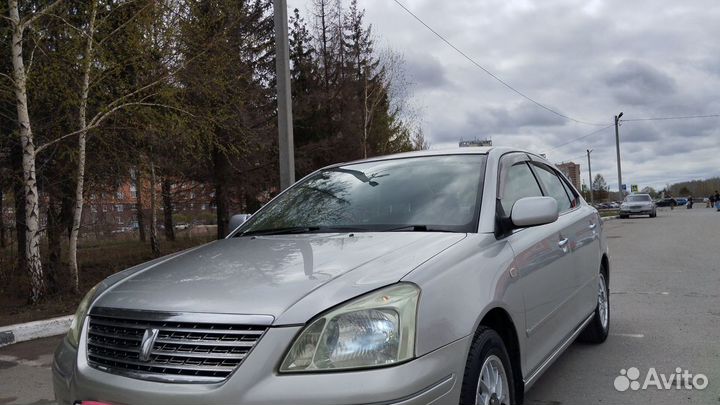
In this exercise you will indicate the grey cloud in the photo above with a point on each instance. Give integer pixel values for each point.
(639, 133)
(426, 72)
(634, 82)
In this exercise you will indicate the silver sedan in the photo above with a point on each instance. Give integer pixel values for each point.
(638, 204)
(443, 277)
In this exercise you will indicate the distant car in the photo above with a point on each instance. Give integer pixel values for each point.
(614, 205)
(681, 201)
(666, 202)
(638, 204)
(182, 226)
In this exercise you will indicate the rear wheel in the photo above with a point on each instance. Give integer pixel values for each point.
(488, 376)
(597, 330)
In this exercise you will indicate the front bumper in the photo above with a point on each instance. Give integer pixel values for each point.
(628, 211)
(434, 378)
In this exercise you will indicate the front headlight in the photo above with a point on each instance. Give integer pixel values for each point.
(79, 318)
(377, 329)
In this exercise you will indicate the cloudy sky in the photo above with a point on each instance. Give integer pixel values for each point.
(587, 59)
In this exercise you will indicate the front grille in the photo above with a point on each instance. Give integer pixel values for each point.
(183, 351)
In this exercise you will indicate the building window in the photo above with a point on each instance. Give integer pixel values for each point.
(119, 208)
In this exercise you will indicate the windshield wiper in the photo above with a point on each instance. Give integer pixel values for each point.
(281, 231)
(414, 228)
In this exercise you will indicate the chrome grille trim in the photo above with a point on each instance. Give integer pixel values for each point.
(189, 348)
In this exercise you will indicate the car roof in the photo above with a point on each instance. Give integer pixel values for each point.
(471, 150)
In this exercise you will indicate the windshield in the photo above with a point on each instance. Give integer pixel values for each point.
(434, 193)
(638, 198)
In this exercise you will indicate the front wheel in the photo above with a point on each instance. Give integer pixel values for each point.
(488, 378)
(597, 330)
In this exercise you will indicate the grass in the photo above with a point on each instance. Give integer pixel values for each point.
(609, 213)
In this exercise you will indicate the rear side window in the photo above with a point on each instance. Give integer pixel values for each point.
(519, 183)
(554, 187)
(569, 190)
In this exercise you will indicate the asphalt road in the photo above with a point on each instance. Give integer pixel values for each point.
(665, 314)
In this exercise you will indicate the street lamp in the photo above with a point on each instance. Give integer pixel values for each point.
(617, 147)
(284, 98)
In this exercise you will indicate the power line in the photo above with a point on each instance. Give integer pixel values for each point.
(671, 118)
(501, 81)
(581, 137)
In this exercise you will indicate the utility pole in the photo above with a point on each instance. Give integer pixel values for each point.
(284, 97)
(617, 147)
(592, 197)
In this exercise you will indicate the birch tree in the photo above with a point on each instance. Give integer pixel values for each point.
(33, 261)
(82, 144)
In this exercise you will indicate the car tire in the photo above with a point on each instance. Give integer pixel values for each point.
(624, 216)
(599, 327)
(488, 371)
(653, 215)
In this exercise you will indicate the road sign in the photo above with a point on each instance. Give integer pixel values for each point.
(624, 187)
(634, 188)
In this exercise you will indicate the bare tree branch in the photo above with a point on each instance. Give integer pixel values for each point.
(8, 77)
(99, 118)
(27, 21)
(32, 55)
(126, 22)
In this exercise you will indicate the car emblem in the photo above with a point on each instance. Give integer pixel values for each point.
(148, 341)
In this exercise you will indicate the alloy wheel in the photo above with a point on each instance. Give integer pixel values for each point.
(603, 307)
(493, 387)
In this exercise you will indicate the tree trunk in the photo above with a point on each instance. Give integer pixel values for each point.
(153, 212)
(2, 220)
(82, 141)
(139, 204)
(366, 115)
(32, 211)
(20, 223)
(221, 193)
(54, 234)
(168, 210)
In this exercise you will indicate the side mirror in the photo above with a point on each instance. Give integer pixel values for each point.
(534, 211)
(237, 220)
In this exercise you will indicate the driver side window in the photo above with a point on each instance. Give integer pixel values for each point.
(519, 183)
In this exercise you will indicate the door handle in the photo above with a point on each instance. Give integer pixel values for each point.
(563, 242)
(592, 226)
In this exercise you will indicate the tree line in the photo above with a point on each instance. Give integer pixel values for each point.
(94, 93)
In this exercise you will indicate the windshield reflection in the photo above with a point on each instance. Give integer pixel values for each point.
(433, 193)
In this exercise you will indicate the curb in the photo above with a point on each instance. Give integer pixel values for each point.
(34, 330)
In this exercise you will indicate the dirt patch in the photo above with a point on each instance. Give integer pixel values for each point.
(98, 260)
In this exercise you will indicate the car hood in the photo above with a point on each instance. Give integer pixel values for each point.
(268, 275)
